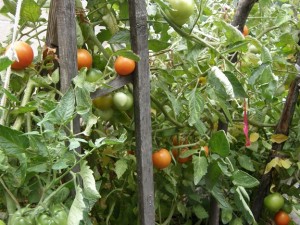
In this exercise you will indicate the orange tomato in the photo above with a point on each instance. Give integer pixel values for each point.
(245, 30)
(25, 55)
(206, 150)
(161, 158)
(124, 66)
(84, 59)
(282, 218)
(178, 152)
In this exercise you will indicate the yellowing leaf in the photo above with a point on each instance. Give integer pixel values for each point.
(254, 137)
(285, 163)
(273, 163)
(279, 138)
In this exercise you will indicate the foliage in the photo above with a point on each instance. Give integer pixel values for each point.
(195, 87)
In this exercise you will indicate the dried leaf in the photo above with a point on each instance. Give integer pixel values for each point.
(273, 163)
(285, 163)
(279, 138)
(254, 137)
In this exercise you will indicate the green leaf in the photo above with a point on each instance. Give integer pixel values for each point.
(121, 37)
(200, 168)
(200, 212)
(89, 184)
(213, 175)
(116, 141)
(12, 141)
(241, 178)
(220, 197)
(246, 162)
(128, 54)
(3, 161)
(37, 144)
(219, 144)
(83, 101)
(196, 106)
(266, 55)
(220, 82)
(40, 168)
(232, 33)
(238, 89)
(9, 95)
(64, 111)
(121, 167)
(77, 208)
(226, 215)
(60, 164)
(4, 63)
(10, 6)
(30, 11)
(157, 45)
(91, 121)
(243, 206)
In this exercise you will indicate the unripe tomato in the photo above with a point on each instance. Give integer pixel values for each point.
(93, 75)
(104, 102)
(180, 11)
(245, 30)
(274, 202)
(105, 114)
(25, 55)
(282, 218)
(122, 101)
(84, 59)
(161, 158)
(124, 66)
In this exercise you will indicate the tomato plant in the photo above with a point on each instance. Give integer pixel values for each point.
(84, 59)
(161, 158)
(124, 66)
(24, 53)
(123, 101)
(282, 218)
(274, 202)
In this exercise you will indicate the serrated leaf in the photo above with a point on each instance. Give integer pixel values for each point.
(92, 120)
(220, 197)
(196, 105)
(254, 137)
(232, 33)
(241, 178)
(157, 45)
(83, 101)
(64, 111)
(272, 164)
(217, 78)
(4, 63)
(121, 37)
(213, 175)
(278, 138)
(200, 168)
(219, 144)
(243, 206)
(246, 162)
(266, 55)
(9, 95)
(77, 208)
(238, 89)
(89, 184)
(200, 212)
(121, 167)
(12, 141)
(30, 11)
(41, 168)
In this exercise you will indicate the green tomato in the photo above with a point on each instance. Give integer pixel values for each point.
(103, 102)
(93, 75)
(22, 217)
(45, 219)
(105, 114)
(236, 221)
(180, 11)
(122, 101)
(59, 214)
(273, 202)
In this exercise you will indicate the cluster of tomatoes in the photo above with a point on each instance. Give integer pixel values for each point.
(276, 204)
(162, 158)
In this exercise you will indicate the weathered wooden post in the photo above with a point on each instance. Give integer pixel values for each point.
(141, 87)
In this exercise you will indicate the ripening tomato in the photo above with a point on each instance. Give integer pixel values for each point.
(245, 30)
(180, 11)
(124, 66)
(273, 202)
(84, 58)
(177, 153)
(93, 75)
(206, 150)
(161, 158)
(103, 102)
(25, 55)
(282, 218)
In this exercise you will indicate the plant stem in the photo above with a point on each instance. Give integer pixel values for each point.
(9, 196)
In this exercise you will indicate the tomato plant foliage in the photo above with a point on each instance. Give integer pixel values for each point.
(196, 88)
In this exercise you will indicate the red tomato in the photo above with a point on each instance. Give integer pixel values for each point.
(282, 218)
(124, 66)
(25, 55)
(84, 59)
(161, 158)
